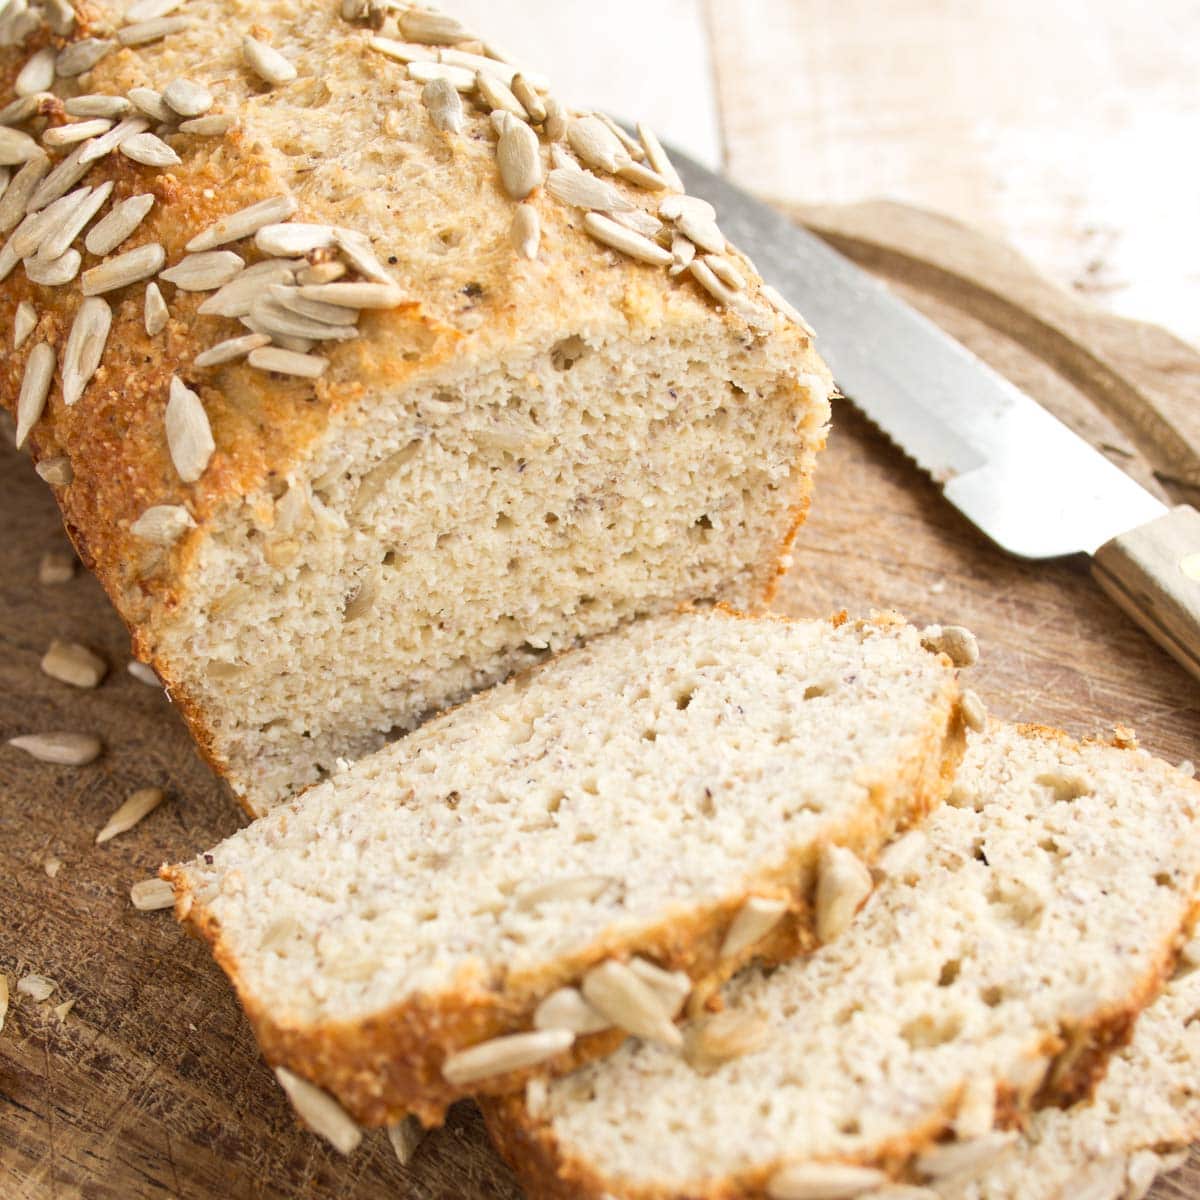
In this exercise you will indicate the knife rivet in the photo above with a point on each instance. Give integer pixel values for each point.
(1190, 566)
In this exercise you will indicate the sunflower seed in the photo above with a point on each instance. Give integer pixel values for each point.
(824, 1181)
(155, 313)
(405, 1137)
(528, 97)
(187, 98)
(778, 302)
(149, 150)
(3, 999)
(230, 349)
(326, 272)
(498, 96)
(5, 176)
(672, 207)
(150, 10)
(57, 471)
(130, 267)
(37, 227)
(60, 239)
(976, 1113)
(142, 32)
(843, 883)
(14, 204)
(520, 160)
(628, 1002)
(755, 919)
(606, 230)
(236, 299)
(658, 158)
(671, 987)
(567, 1009)
(54, 272)
(266, 62)
(725, 271)
(330, 314)
(703, 274)
(212, 125)
(573, 887)
(458, 77)
(955, 641)
(357, 250)
(64, 749)
(952, 1158)
(85, 345)
(974, 711)
(17, 22)
(117, 224)
(140, 804)
(24, 323)
(505, 72)
(287, 362)
(56, 566)
(106, 143)
(320, 1112)
(143, 673)
(37, 75)
(526, 231)
(244, 223)
(97, 105)
(703, 232)
(503, 1054)
(556, 123)
(274, 318)
(640, 222)
(292, 238)
(441, 98)
(205, 271)
(355, 295)
(722, 1038)
(582, 189)
(69, 662)
(432, 28)
(81, 56)
(60, 15)
(405, 52)
(8, 255)
(80, 131)
(16, 147)
(149, 895)
(682, 254)
(35, 387)
(61, 1011)
(189, 435)
(36, 987)
(150, 103)
(596, 144)
(163, 524)
(632, 146)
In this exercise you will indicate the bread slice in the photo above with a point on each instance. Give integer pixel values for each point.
(1146, 1109)
(638, 817)
(528, 444)
(1008, 951)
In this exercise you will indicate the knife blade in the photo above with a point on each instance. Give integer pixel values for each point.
(1015, 471)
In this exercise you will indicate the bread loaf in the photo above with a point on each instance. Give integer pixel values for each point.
(1014, 940)
(387, 381)
(576, 852)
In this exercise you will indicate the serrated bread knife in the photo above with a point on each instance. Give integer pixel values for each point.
(1002, 460)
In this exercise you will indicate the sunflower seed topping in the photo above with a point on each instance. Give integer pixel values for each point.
(143, 673)
(53, 272)
(658, 158)
(526, 231)
(405, 52)
(555, 124)
(187, 98)
(504, 1054)
(273, 318)
(69, 662)
(974, 711)
(615, 991)
(189, 435)
(212, 125)
(639, 221)
(641, 176)
(780, 304)
(567, 1009)
(36, 227)
(64, 749)
(81, 56)
(236, 299)
(231, 349)
(60, 15)
(283, 240)
(56, 471)
(529, 99)
(24, 323)
(149, 150)
(356, 248)
(520, 159)
(117, 224)
(725, 271)
(155, 313)
(16, 147)
(582, 189)
(130, 267)
(952, 1158)
(432, 28)
(266, 62)
(14, 204)
(163, 524)
(682, 254)
(824, 1181)
(326, 272)
(605, 229)
(755, 919)
(56, 566)
(150, 103)
(596, 144)
(61, 238)
(441, 98)
(150, 10)
(288, 362)
(68, 135)
(671, 987)
(355, 295)
(23, 108)
(35, 387)
(150, 895)
(632, 146)
(458, 77)
(37, 75)
(205, 271)
(405, 1137)
(36, 987)
(97, 105)
(85, 345)
(142, 32)
(140, 804)
(722, 1038)
(330, 314)
(108, 142)
(320, 1112)
(498, 96)
(843, 884)
(244, 223)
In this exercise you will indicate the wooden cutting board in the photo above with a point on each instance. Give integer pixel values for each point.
(151, 1084)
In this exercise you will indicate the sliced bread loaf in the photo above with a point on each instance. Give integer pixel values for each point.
(1009, 949)
(637, 818)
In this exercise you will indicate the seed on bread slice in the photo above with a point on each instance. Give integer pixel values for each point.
(593, 832)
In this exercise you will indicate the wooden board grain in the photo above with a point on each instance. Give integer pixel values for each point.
(151, 1085)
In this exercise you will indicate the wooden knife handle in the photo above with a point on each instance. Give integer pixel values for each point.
(1153, 573)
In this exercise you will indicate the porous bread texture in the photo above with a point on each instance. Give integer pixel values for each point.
(521, 454)
(1147, 1106)
(1011, 946)
(389, 917)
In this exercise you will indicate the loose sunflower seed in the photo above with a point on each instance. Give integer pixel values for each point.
(163, 524)
(155, 313)
(755, 919)
(3, 999)
(441, 98)
(150, 10)
(567, 1009)
(97, 105)
(330, 314)
(212, 125)
(57, 471)
(616, 992)
(57, 243)
(405, 1137)
(405, 52)
(498, 96)
(80, 131)
(355, 295)
(54, 272)
(824, 1181)
(605, 229)
(974, 712)
(149, 895)
(205, 271)
(955, 641)
(526, 231)
(432, 28)
(458, 77)
(85, 345)
(142, 32)
(230, 349)
(843, 884)
(36, 987)
(189, 435)
(106, 143)
(63, 749)
(56, 566)
(284, 240)
(81, 56)
(581, 189)
(503, 1054)
(130, 267)
(16, 147)
(117, 224)
(143, 673)
(37, 75)
(69, 662)
(266, 62)
(287, 362)
(149, 150)
(596, 144)
(244, 223)
(520, 160)
(150, 103)
(14, 204)
(187, 98)
(35, 387)
(24, 323)
(658, 158)
(320, 1112)
(140, 804)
